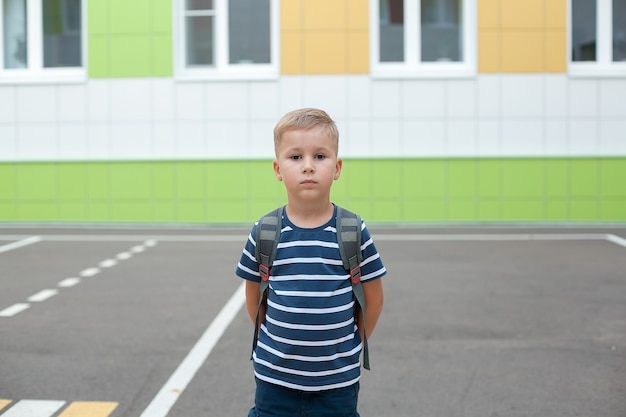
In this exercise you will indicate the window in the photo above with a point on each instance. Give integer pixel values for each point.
(41, 40)
(227, 38)
(598, 37)
(423, 38)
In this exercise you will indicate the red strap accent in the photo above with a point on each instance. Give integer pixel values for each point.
(264, 271)
(355, 274)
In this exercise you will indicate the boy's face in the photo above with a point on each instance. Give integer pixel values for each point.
(306, 161)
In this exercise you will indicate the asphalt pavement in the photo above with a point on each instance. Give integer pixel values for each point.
(478, 321)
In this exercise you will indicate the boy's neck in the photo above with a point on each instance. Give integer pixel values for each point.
(309, 215)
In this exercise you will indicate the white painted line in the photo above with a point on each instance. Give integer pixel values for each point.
(89, 272)
(123, 256)
(69, 282)
(42, 296)
(150, 243)
(137, 249)
(14, 309)
(34, 408)
(617, 240)
(169, 393)
(108, 263)
(487, 237)
(19, 244)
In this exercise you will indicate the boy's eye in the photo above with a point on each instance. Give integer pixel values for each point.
(320, 156)
(295, 157)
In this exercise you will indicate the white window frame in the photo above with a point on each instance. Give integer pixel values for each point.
(413, 67)
(603, 66)
(36, 72)
(222, 69)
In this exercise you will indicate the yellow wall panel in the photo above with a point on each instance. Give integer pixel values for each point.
(358, 14)
(556, 51)
(488, 14)
(291, 53)
(522, 14)
(324, 14)
(325, 53)
(291, 15)
(358, 52)
(522, 51)
(488, 51)
(556, 14)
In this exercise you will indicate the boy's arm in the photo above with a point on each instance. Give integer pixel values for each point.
(253, 292)
(374, 300)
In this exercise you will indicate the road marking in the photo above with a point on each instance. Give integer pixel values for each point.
(89, 409)
(69, 282)
(4, 403)
(14, 309)
(24, 242)
(107, 263)
(150, 243)
(137, 249)
(34, 408)
(176, 384)
(617, 240)
(89, 272)
(42, 296)
(123, 256)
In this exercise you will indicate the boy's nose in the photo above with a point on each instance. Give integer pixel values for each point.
(307, 164)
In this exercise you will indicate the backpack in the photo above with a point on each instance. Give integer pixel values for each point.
(349, 240)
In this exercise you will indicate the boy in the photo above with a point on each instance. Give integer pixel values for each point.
(306, 360)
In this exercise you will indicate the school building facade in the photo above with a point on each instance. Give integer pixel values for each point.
(162, 111)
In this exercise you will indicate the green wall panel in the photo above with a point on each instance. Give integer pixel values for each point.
(398, 190)
(130, 38)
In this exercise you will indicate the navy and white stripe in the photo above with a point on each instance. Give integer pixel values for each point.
(309, 339)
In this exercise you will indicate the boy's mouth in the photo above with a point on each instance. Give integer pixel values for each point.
(308, 182)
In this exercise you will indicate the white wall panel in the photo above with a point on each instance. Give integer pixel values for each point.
(583, 137)
(98, 101)
(521, 137)
(424, 138)
(556, 95)
(613, 98)
(423, 99)
(73, 141)
(359, 100)
(190, 101)
(385, 98)
(612, 137)
(386, 140)
(327, 92)
(488, 137)
(72, 103)
(461, 138)
(130, 100)
(8, 108)
(583, 98)
(8, 143)
(490, 115)
(263, 102)
(37, 103)
(191, 140)
(226, 101)
(163, 99)
(38, 141)
(522, 96)
(130, 140)
(461, 98)
(489, 92)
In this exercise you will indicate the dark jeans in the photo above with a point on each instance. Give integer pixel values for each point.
(276, 401)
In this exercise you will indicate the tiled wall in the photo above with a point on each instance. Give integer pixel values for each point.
(520, 141)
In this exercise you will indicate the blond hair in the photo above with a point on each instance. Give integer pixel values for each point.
(305, 119)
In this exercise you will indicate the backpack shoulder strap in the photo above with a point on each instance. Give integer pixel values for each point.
(266, 239)
(349, 241)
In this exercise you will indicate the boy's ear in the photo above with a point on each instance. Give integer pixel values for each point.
(277, 170)
(338, 167)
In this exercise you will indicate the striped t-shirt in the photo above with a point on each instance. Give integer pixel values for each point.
(309, 339)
